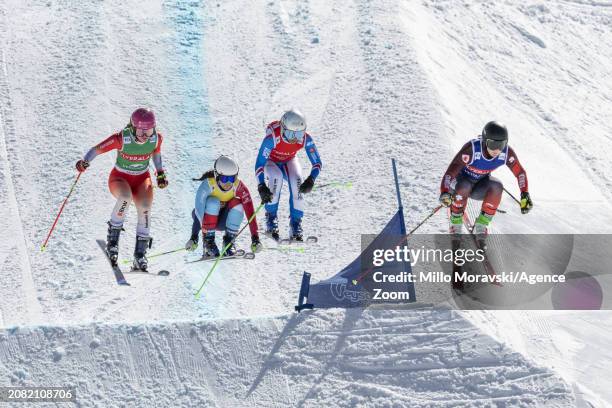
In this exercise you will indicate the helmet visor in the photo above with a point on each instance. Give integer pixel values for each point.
(496, 144)
(293, 136)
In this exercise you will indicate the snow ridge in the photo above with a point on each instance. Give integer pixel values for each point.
(419, 357)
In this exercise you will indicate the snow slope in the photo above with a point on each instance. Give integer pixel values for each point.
(72, 76)
(414, 357)
(540, 67)
(575, 345)
(411, 80)
(348, 105)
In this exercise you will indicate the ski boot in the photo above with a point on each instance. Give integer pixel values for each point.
(140, 260)
(296, 233)
(112, 242)
(455, 227)
(210, 247)
(480, 229)
(192, 244)
(228, 239)
(272, 226)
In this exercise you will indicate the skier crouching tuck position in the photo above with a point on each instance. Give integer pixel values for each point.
(130, 180)
(221, 203)
(277, 161)
(468, 176)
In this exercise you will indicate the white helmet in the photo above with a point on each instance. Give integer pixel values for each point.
(225, 166)
(294, 120)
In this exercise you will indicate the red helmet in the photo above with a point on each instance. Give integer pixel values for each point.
(143, 118)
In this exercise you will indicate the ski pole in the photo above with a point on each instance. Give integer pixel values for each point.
(225, 248)
(287, 248)
(404, 238)
(248, 222)
(513, 197)
(44, 245)
(347, 184)
(125, 261)
(435, 210)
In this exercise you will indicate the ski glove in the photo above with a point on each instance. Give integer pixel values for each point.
(526, 203)
(264, 193)
(446, 199)
(162, 181)
(256, 245)
(306, 186)
(82, 165)
(191, 245)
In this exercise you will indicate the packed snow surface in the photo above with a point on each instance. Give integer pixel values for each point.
(377, 79)
(415, 357)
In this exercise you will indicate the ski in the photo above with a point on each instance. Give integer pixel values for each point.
(480, 245)
(287, 248)
(311, 239)
(116, 270)
(240, 254)
(163, 272)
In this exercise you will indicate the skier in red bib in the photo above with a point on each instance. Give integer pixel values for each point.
(136, 145)
(277, 163)
(468, 176)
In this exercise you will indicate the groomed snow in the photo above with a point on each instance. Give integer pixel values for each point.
(411, 80)
(419, 358)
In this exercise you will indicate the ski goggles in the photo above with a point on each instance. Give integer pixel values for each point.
(226, 179)
(144, 132)
(496, 144)
(293, 136)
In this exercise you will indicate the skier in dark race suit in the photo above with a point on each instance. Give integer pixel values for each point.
(469, 176)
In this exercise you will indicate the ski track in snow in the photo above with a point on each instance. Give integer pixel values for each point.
(376, 80)
(346, 106)
(555, 340)
(424, 358)
(17, 256)
(551, 97)
(540, 67)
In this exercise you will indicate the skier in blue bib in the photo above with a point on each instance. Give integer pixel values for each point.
(469, 176)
